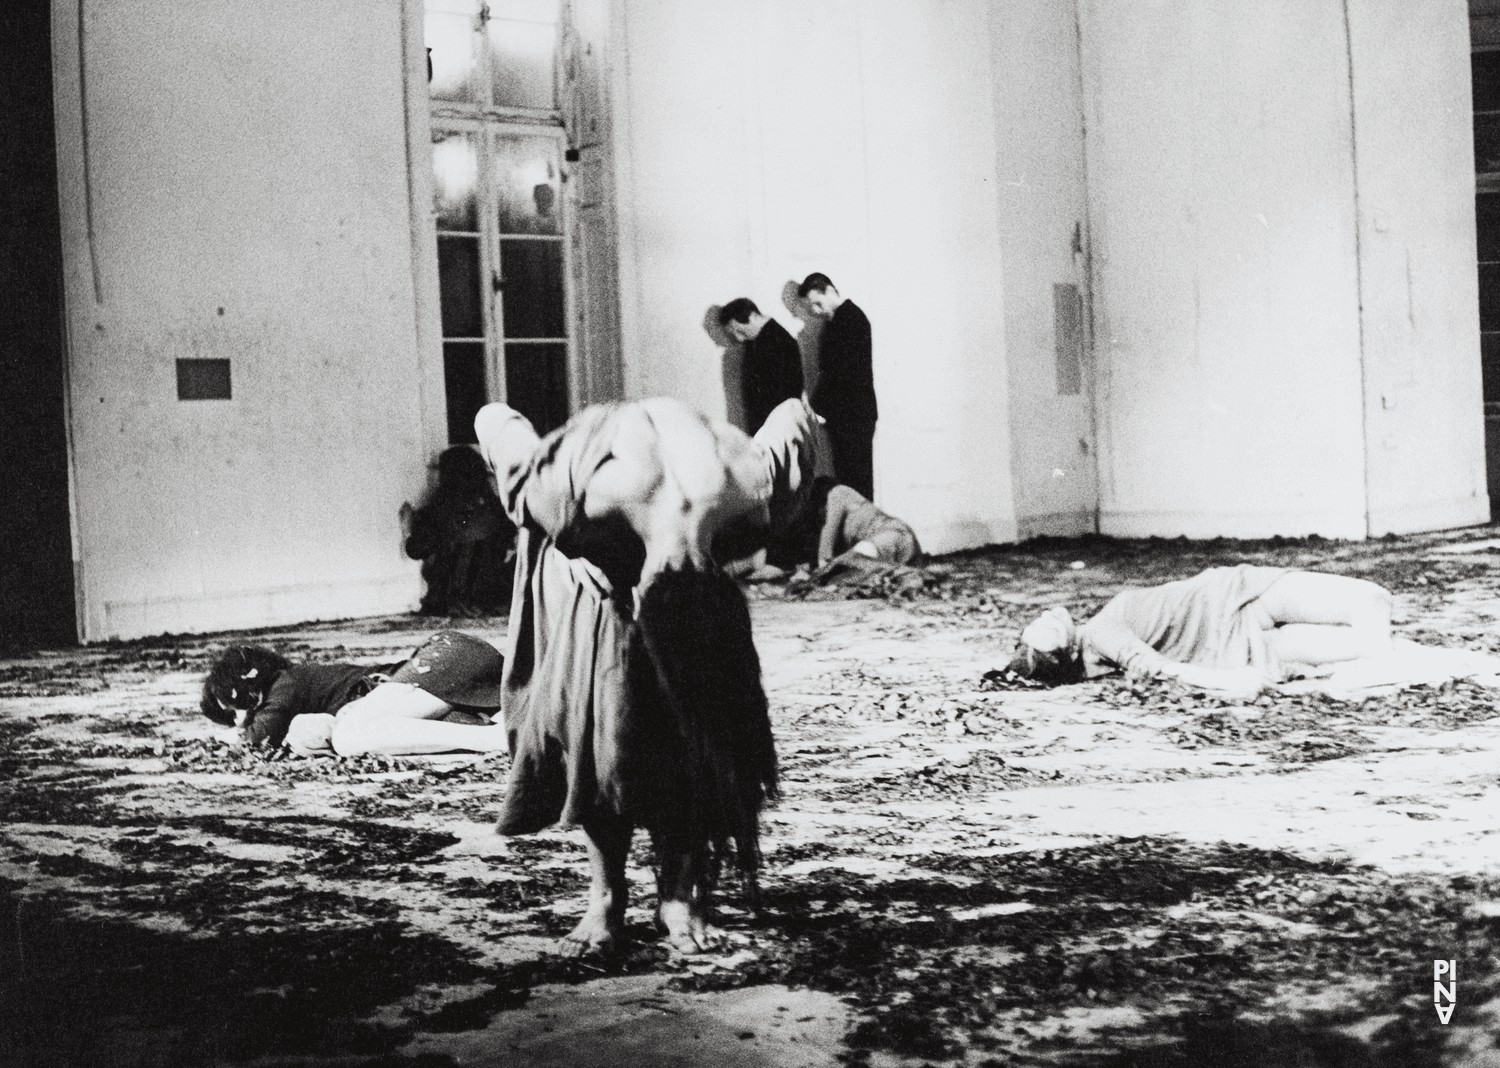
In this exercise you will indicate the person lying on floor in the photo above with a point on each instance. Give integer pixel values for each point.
(1231, 630)
(438, 700)
(632, 694)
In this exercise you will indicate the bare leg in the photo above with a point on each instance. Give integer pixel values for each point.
(396, 719)
(603, 924)
(683, 898)
(1324, 619)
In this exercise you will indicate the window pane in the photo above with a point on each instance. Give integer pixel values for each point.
(1487, 210)
(533, 275)
(1489, 354)
(525, 174)
(1489, 296)
(463, 376)
(455, 175)
(522, 39)
(458, 287)
(1487, 143)
(1486, 69)
(536, 383)
(449, 31)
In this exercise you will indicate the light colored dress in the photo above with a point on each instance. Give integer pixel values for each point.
(1210, 619)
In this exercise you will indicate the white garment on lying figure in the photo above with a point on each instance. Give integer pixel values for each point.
(1211, 619)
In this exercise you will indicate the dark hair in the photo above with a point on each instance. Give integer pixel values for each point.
(815, 283)
(235, 669)
(738, 310)
(461, 465)
(1055, 668)
(705, 758)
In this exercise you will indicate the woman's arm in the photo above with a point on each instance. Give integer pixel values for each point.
(1113, 643)
(268, 727)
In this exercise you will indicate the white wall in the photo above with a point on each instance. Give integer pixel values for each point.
(761, 141)
(1414, 155)
(1042, 200)
(247, 198)
(1221, 181)
(1285, 285)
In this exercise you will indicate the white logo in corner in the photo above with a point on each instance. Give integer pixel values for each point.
(1441, 968)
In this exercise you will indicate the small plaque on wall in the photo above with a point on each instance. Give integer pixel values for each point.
(203, 380)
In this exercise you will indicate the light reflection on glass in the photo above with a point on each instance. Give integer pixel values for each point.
(449, 31)
(527, 185)
(522, 39)
(455, 174)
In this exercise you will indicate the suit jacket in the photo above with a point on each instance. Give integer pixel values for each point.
(771, 373)
(846, 382)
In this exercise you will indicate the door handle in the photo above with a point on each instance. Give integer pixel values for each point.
(497, 283)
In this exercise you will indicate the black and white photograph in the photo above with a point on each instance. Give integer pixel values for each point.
(750, 533)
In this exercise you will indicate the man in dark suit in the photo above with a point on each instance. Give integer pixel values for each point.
(772, 367)
(845, 393)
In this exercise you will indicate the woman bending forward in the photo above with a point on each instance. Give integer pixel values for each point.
(632, 693)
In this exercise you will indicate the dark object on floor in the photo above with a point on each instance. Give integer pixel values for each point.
(464, 540)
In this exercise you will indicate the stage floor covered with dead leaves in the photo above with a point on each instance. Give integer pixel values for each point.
(956, 873)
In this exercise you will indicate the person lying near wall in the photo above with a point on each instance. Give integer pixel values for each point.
(852, 530)
(839, 530)
(1228, 630)
(632, 693)
(461, 535)
(438, 700)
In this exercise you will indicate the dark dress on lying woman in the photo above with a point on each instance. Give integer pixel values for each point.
(312, 688)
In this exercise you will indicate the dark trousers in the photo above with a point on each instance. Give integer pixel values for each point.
(854, 456)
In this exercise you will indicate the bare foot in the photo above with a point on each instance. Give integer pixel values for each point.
(598, 933)
(687, 929)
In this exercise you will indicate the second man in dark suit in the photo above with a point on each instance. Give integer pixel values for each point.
(845, 393)
(772, 367)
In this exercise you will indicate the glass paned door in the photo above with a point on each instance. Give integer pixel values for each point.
(501, 273)
(526, 179)
(461, 273)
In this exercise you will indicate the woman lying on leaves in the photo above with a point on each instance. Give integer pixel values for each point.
(632, 690)
(1231, 630)
(438, 700)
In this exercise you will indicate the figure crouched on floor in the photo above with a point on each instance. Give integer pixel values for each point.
(1230, 630)
(632, 693)
(463, 539)
(838, 531)
(438, 700)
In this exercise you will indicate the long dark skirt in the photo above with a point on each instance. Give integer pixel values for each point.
(659, 718)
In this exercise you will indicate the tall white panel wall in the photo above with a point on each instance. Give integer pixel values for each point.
(1418, 287)
(1221, 181)
(234, 186)
(1044, 234)
(761, 141)
(1282, 206)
